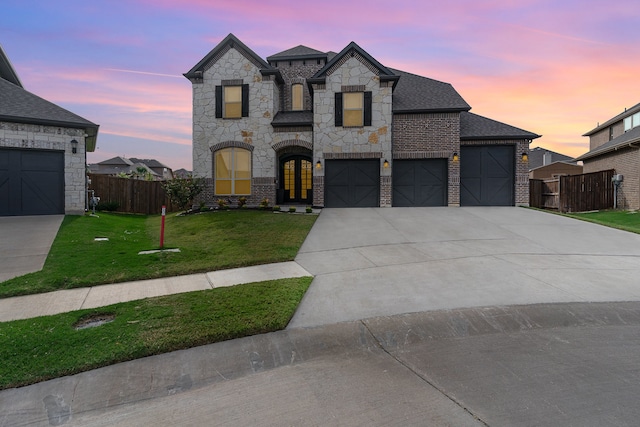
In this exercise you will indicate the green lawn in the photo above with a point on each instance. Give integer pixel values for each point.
(623, 220)
(42, 348)
(207, 242)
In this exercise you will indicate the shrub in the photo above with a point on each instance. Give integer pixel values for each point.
(107, 206)
(309, 210)
(182, 191)
(292, 208)
(242, 201)
(276, 208)
(264, 203)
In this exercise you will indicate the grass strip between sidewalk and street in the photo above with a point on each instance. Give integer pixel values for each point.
(207, 242)
(42, 348)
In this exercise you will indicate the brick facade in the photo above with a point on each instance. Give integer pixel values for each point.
(625, 161)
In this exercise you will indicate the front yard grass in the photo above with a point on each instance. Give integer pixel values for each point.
(623, 220)
(207, 242)
(42, 348)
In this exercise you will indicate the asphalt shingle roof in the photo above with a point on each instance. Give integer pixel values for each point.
(293, 118)
(296, 52)
(19, 105)
(630, 137)
(536, 157)
(473, 126)
(414, 94)
(615, 119)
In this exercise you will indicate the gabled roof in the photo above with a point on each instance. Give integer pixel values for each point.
(417, 94)
(571, 164)
(20, 106)
(351, 49)
(536, 157)
(231, 41)
(473, 126)
(621, 116)
(7, 72)
(152, 163)
(299, 52)
(116, 161)
(625, 140)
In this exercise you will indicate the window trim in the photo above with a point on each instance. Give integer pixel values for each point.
(220, 105)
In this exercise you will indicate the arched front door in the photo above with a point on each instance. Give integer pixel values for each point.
(296, 176)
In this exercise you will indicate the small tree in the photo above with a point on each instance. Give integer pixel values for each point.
(182, 191)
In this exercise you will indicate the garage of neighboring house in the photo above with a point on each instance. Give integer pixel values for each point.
(31, 182)
(352, 183)
(42, 152)
(487, 175)
(420, 182)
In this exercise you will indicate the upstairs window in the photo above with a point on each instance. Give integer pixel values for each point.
(297, 97)
(353, 109)
(631, 122)
(232, 101)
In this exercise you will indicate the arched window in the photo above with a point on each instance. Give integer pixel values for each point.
(297, 97)
(233, 172)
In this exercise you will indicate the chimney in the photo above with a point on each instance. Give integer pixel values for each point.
(546, 158)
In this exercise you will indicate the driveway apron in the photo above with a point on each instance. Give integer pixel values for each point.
(380, 262)
(25, 242)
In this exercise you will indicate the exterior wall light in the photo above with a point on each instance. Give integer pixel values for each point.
(74, 146)
(318, 165)
(525, 156)
(456, 157)
(385, 164)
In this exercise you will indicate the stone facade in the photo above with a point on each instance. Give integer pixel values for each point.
(272, 130)
(52, 138)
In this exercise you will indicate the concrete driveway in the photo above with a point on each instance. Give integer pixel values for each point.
(520, 356)
(379, 262)
(25, 242)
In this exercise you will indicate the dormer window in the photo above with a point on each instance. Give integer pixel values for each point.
(297, 97)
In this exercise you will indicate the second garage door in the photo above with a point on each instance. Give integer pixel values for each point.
(352, 183)
(487, 175)
(420, 182)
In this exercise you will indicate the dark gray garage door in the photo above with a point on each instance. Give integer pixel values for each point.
(487, 175)
(31, 182)
(420, 182)
(352, 183)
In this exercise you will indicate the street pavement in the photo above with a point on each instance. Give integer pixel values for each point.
(434, 316)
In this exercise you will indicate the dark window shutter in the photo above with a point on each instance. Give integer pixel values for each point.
(367, 108)
(338, 112)
(245, 100)
(218, 102)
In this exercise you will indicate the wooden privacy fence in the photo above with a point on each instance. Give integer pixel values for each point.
(573, 193)
(131, 195)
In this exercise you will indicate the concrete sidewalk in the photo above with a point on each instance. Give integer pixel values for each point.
(28, 306)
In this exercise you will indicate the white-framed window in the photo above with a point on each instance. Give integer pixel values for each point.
(233, 172)
(297, 97)
(631, 122)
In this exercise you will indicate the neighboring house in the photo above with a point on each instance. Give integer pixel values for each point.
(343, 130)
(42, 151)
(545, 164)
(141, 168)
(615, 145)
(182, 173)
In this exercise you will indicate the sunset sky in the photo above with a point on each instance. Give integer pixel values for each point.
(552, 67)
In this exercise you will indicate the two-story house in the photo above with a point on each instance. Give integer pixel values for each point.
(343, 130)
(615, 144)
